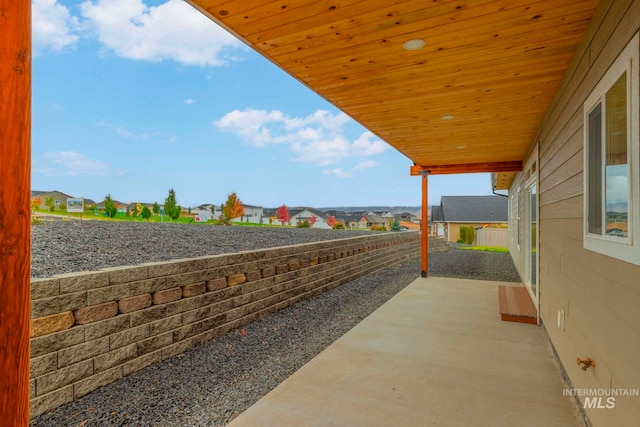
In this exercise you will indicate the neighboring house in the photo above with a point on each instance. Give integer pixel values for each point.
(269, 213)
(203, 215)
(302, 214)
(374, 221)
(351, 221)
(437, 221)
(131, 207)
(252, 214)
(406, 216)
(336, 213)
(474, 211)
(383, 214)
(59, 198)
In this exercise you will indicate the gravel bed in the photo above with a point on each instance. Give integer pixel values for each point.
(473, 265)
(215, 382)
(71, 246)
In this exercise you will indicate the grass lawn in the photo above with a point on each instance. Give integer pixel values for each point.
(485, 248)
(119, 217)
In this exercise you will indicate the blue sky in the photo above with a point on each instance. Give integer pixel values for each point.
(132, 97)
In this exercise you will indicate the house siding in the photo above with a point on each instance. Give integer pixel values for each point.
(600, 295)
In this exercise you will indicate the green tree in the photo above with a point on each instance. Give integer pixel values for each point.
(395, 226)
(156, 208)
(50, 203)
(171, 208)
(110, 207)
(146, 213)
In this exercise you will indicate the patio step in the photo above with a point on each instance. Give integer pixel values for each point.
(515, 305)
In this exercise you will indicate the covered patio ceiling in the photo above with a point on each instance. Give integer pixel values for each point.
(470, 100)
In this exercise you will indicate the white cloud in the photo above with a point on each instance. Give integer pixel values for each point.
(73, 164)
(317, 138)
(365, 165)
(52, 27)
(189, 101)
(350, 173)
(129, 134)
(173, 30)
(125, 133)
(337, 172)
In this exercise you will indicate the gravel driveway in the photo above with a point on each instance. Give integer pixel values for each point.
(213, 383)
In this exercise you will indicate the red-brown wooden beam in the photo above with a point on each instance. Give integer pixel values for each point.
(512, 166)
(424, 226)
(15, 224)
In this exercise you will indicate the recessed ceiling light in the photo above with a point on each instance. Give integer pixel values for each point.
(413, 44)
(447, 117)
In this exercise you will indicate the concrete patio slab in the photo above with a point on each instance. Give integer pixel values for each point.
(435, 354)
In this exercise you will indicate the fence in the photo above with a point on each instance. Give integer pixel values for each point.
(492, 237)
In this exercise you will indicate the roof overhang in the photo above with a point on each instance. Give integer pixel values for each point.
(471, 98)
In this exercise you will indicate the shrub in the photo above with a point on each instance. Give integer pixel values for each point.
(460, 241)
(338, 226)
(303, 224)
(146, 213)
(463, 234)
(467, 235)
(378, 228)
(50, 203)
(36, 220)
(395, 226)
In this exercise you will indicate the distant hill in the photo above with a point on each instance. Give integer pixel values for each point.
(416, 210)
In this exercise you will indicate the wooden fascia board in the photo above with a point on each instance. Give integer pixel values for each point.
(511, 166)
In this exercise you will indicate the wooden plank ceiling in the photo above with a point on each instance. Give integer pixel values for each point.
(476, 92)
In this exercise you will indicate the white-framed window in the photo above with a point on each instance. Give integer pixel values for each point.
(611, 198)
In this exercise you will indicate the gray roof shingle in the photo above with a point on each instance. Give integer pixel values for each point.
(475, 208)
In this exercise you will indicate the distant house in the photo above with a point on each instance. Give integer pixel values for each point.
(382, 214)
(118, 204)
(305, 214)
(203, 215)
(475, 211)
(131, 207)
(59, 198)
(351, 221)
(335, 213)
(406, 216)
(251, 214)
(375, 221)
(437, 221)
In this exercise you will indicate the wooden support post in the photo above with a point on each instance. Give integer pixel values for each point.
(15, 221)
(424, 227)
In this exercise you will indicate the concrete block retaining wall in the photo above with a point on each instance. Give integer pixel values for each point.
(91, 328)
